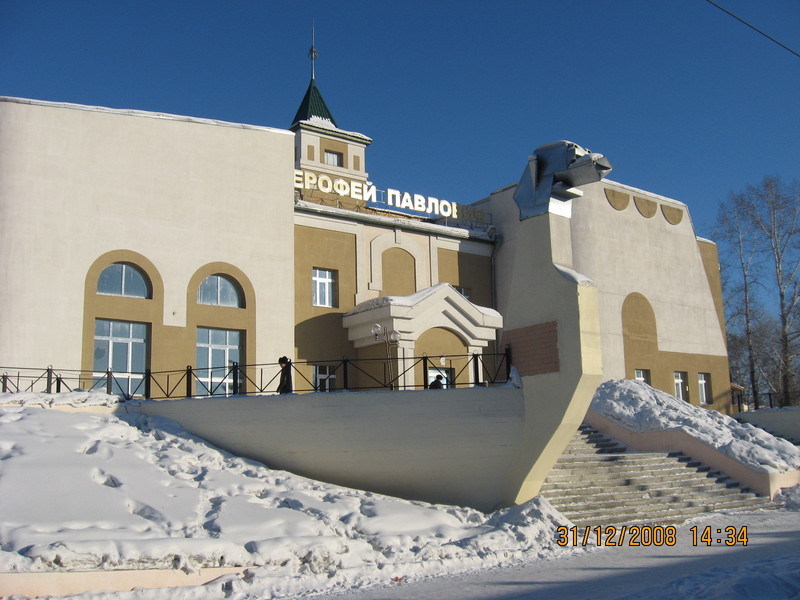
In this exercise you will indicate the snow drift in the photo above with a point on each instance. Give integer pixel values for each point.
(640, 408)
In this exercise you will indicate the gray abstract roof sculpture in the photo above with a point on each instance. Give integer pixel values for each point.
(553, 169)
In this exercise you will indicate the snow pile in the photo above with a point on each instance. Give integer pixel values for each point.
(640, 408)
(85, 491)
(789, 497)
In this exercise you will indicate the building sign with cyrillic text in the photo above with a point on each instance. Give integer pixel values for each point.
(366, 191)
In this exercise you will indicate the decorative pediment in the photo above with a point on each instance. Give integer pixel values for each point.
(411, 316)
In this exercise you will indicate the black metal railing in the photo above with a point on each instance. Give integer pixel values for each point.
(770, 400)
(339, 374)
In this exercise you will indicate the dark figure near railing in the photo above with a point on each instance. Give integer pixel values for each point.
(436, 384)
(285, 384)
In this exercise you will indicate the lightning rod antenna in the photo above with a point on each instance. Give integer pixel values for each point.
(312, 52)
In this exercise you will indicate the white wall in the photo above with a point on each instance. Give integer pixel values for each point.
(624, 252)
(76, 182)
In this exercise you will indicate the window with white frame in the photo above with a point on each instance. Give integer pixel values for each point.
(334, 159)
(120, 347)
(324, 288)
(324, 378)
(682, 385)
(704, 388)
(124, 279)
(220, 290)
(642, 375)
(217, 350)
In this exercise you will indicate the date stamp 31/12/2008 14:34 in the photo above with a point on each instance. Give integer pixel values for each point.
(648, 535)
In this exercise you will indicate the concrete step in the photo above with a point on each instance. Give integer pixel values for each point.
(627, 478)
(646, 497)
(663, 513)
(590, 495)
(598, 481)
(625, 464)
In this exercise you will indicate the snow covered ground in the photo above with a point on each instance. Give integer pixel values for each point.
(82, 491)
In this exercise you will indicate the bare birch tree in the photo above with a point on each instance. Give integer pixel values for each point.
(774, 208)
(734, 232)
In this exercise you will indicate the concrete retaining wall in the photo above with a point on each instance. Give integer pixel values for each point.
(441, 446)
(782, 421)
(36, 584)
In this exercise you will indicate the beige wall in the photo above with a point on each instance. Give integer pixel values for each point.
(376, 258)
(548, 310)
(469, 271)
(78, 183)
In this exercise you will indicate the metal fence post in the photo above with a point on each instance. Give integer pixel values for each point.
(109, 379)
(188, 381)
(476, 369)
(425, 372)
(50, 379)
(345, 382)
(147, 375)
(508, 362)
(235, 371)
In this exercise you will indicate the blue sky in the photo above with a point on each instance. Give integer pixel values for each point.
(684, 100)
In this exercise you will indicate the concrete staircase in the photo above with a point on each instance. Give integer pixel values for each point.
(598, 481)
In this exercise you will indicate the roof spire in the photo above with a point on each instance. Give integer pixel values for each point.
(313, 105)
(312, 52)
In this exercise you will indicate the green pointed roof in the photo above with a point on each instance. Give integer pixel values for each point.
(313, 105)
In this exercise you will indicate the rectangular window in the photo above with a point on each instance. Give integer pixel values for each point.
(216, 352)
(682, 385)
(704, 386)
(324, 291)
(334, 159)
(642, 375)
(325, 378)
(122, 347)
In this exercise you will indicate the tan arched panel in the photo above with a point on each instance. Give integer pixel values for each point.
(221, 317)
(619, 200)
(439, 342)
(640, 337)
(647, 208)
(672, 214)
(120, 308)
(397, 239)
(399, 273)
(640, 334)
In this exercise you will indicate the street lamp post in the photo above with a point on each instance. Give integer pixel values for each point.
(392, 338)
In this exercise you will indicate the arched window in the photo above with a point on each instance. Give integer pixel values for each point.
(220, 290)
(124, 279)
